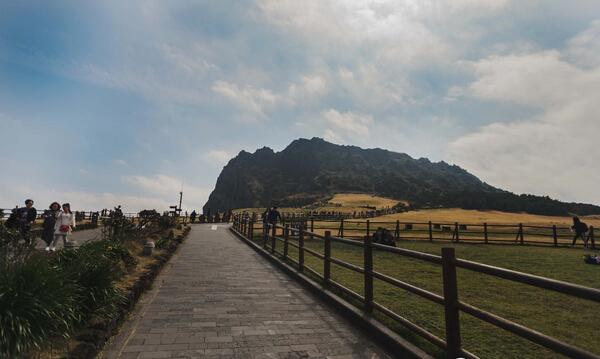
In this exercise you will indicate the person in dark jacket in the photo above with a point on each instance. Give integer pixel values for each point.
(193, 216)
(26, 217)
(580, 229)
(49, 222)
(274, 216)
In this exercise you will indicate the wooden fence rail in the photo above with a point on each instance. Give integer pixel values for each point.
(271, 235)
(487, 233)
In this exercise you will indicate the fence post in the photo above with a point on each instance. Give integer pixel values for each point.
(251, 230)
(301, 249)
(342, 228)
(554, 235)
(368, 268)
(327, 259)
(456, 234)
(430, 232)
(485, 232)
(521, 233)
(273, 238)
(451, 311)
(591, 237)
(266, 233)
(368, 226)
(286, 238)
(397, 229)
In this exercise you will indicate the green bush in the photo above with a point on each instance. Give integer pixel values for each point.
(95, 267)
(37, 302)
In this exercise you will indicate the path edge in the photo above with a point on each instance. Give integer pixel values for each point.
(390, 340)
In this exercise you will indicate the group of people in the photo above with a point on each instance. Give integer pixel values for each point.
(271, 215)
(58, 223)
(208, 218)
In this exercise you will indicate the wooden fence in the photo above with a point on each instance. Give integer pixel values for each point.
(288, 236)
(448, 231)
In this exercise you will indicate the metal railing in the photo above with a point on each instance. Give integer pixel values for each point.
(452, 345)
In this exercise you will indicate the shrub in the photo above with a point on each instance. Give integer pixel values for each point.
(36, 302)
(95, 267)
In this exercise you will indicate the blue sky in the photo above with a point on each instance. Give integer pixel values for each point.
(113, 102)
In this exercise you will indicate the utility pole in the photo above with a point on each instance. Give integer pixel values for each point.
(180, 198)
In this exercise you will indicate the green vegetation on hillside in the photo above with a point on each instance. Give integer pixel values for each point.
(313, 170)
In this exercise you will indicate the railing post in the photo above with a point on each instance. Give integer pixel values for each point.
(453, 342)
(266, 229)
(430, 232)
(456, 233)
(397, 229)
(368, 226)
(485, 232)
(342, 228)
(591, 237)
(251, 230)
(327, 259)
(273, 234)
(554, 235)
(301, 249)
(368, 275)
(286, 238)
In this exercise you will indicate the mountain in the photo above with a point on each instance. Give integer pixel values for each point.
(311, 170)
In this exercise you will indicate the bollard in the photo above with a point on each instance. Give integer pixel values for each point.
(148, 248)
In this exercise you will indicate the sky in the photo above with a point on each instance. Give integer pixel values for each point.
(124, 102)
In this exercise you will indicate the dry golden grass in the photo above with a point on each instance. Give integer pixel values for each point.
(474, 216)
(361, 200)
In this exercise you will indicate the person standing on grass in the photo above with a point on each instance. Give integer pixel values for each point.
(49, 222)
(26, 216)
(65, 223)
(580, 229)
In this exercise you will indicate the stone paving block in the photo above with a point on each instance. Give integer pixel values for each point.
(217, 298)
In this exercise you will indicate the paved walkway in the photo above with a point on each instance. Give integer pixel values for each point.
(79, 237)
(217, 298)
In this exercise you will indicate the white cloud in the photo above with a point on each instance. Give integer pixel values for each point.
(554, 152)
(217, 157)
(166, 189)
(346, 126)
(584, 49)
(310, 87)
(254, 101)
(119, 162)
(538, 79)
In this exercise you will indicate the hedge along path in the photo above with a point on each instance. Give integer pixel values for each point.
(219, 298)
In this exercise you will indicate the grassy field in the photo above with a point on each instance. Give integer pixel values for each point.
(571, 320)
(451, 215)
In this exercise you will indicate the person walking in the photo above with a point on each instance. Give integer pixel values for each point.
(49, 221)
(193, 216)
(26, 217)
(65, 223)
(580, 229)
(274, 216)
